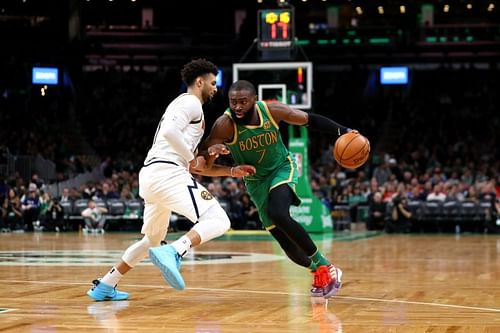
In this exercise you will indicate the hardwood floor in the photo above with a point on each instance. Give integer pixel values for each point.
(243, 283)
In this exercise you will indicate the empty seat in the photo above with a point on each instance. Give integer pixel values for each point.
(116, 207)
(79, 205)
(415, 208)
(451, 213)
(433, 214)
(134, 207)
(67, 207)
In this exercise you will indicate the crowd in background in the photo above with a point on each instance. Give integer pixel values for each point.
(435, 139)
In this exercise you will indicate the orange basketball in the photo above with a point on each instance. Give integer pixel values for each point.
(351, 150)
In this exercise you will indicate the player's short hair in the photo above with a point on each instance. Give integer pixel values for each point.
(195, 68)
(243, 85)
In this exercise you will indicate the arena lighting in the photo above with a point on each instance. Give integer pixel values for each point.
(359, 11)
(380, 10)
(402, 9)
(469, 6)
(491, 6)
(446, 8)
(45, 75)
(219, 79)
(393, 75)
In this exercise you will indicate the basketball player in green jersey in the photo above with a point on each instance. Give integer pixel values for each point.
(250, 129)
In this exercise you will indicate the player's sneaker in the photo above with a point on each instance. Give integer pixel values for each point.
(168, 261)
(329, 279)
(333, 287)
(104, 292)
(317, 285)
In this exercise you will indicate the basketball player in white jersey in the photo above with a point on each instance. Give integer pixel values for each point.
(166, 185)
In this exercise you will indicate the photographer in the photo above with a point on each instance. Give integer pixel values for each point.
(54, 216)
(400, 218)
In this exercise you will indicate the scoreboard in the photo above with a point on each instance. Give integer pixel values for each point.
(276, 29)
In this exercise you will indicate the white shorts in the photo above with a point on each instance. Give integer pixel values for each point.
(166, 188)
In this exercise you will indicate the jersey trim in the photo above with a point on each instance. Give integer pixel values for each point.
(191, 188)
(259, 113)
(235, 129)
(160, 161)
(289, 176)
(269, 115)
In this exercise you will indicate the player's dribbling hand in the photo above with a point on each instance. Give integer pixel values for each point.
(243, 170)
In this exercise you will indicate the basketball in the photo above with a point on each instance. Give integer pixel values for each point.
(351, 150)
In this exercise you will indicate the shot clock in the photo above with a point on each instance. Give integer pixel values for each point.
(276, 29)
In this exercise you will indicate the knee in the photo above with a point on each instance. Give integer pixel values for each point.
(278, 216)
(152, 240)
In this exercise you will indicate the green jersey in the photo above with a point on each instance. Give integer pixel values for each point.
(259, 145)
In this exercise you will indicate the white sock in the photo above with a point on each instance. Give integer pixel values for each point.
(112, 277)
(182, 245)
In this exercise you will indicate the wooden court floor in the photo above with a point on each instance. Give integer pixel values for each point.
(242, 283)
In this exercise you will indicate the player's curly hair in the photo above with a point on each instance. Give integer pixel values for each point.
(195, 68)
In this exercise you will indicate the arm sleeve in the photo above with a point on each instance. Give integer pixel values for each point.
(174, 124)
(325, 124)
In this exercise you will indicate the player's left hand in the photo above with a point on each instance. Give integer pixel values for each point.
(218, 149)
(243, 170)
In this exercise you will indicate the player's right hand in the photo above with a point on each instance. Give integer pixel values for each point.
(243, 170)
(198, 163)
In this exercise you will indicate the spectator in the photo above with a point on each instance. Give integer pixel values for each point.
(11, 207)
(65, 195)
(94, 218)
(31, 207)
(437, 194)
(250, 213)
(376, 213)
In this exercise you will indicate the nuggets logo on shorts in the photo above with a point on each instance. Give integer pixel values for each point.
(207, 195)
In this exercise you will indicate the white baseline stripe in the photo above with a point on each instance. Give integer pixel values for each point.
(246, 291)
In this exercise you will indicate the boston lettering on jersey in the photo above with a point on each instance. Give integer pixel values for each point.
(258, 141)
(259, 145)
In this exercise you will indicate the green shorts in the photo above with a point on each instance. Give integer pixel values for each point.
(259, 189)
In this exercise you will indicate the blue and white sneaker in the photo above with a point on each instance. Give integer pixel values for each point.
(104, 292)
(168, 261)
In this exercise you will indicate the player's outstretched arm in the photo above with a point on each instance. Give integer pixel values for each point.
(283, 112)
(222, 131)
(217, 170)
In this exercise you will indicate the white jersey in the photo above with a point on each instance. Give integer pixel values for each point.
(179, 132)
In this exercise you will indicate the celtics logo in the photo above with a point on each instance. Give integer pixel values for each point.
(267, 125)
(206, 195)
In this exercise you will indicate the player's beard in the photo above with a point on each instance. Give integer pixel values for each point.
(246, 118)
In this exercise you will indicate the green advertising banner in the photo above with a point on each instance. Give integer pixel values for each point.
(311, 214)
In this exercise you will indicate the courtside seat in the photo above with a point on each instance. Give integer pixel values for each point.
(134, 208)
(78, 206)
(116, 207)
(67, 208)
(433, 215)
